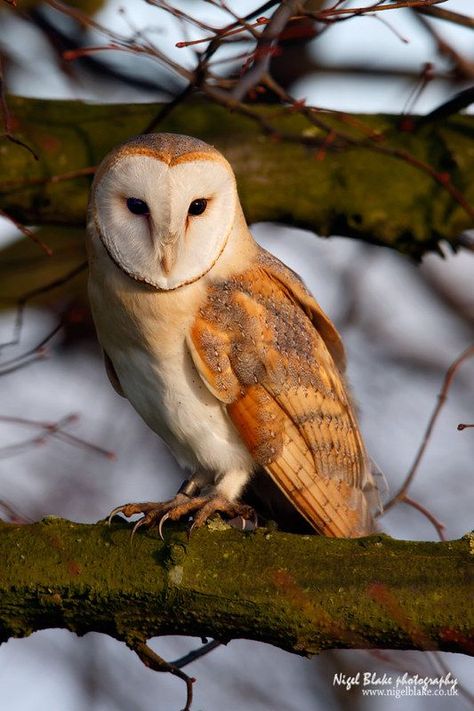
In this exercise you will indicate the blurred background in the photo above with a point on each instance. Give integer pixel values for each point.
(403, 325)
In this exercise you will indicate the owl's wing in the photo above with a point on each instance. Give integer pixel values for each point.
(263, 346)
(295, 290)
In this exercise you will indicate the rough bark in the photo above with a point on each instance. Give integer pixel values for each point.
(357, 191)
(301, 593)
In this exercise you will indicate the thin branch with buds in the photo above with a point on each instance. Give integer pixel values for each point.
(36, 353)
(265, 48)
(440, 527)
(49, 430)
(442, 397)
(152, 660)
(230, 92)
(27, 232)
(22, 302)
(7, 122)
(196, 654)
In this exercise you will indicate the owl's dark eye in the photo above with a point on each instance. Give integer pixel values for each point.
(137, 207)
(197, 207)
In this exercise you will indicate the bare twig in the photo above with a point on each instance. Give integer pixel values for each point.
(28, 233)
(70, 175)
(167, 109)
(313, 114)
(440, 527)
(329, 13)
(265, 48)
(212, 86)
(463, 68)
(196, 654)
(442, 397)
(427, 75)
(23, 301)
(448, 294)
(47, 430)
(153, 661)
(15, 516)
(7, 122)
(36, 353)
(61, 41)
(456, 103)
(448, 15)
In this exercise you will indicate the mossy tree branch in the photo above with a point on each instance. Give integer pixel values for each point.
(301, 593)
(355, 191)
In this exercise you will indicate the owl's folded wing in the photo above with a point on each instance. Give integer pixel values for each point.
(264, 347)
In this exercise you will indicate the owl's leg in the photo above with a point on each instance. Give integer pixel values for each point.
(223, 498)
(153, 511)
(240, 515)
(188, 501)
(156, 512)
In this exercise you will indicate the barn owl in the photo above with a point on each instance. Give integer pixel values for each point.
(219, 346)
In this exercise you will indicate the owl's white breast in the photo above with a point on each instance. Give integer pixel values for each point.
(143, 331)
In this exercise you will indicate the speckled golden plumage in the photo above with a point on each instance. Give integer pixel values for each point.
(265, 349)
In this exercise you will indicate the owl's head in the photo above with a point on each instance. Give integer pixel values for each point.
(163, 206)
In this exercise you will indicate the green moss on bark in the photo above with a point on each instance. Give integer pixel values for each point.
(301, 593)
(356, 192)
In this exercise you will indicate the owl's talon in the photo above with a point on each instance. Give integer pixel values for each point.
(201, 508)
(245, 521)
(163, 520)
(139, 524)
(114, 512)
(240, 523)
(230, 510)
(193, 526)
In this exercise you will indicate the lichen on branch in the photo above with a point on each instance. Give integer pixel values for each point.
(301, 593)
(372, 189)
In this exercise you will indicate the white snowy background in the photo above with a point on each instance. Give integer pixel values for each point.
(400, 336)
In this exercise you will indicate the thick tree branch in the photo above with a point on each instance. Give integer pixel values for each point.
(297, 173)
(300, 593)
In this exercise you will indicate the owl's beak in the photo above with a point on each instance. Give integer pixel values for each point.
(169, 254)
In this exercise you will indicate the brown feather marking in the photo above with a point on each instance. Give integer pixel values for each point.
(320, 499)
(209, 346)
(258, 331)
(259, 422)
(299, 294)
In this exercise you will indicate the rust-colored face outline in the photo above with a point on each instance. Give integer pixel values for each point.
(170, 160)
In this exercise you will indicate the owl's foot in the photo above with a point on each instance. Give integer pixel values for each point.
(239, 515)
(200, 507)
